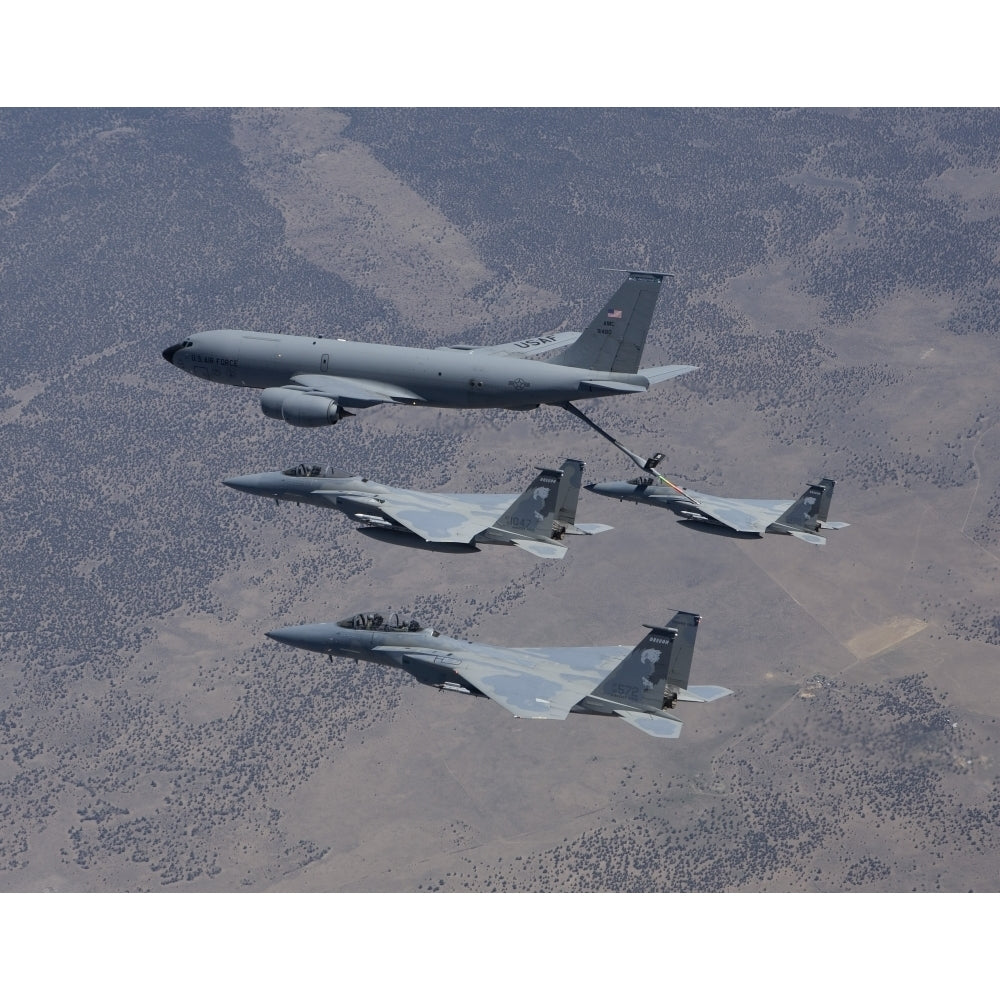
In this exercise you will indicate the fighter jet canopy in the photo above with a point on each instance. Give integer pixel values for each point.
(314, 472)
(380, 621)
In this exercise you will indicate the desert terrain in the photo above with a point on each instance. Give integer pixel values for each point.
(836, 282)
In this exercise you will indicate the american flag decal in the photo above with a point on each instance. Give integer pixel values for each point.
(614, 314)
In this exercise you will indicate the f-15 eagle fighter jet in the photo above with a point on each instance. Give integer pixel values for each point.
(536, 520)
(803, 519)
(643, 685)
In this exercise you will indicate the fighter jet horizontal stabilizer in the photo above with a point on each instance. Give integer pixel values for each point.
(544, 550)
(806, 537)
(702, 693)
(653, 725)
(588, 529)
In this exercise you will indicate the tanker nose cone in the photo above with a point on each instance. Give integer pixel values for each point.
(169, 352)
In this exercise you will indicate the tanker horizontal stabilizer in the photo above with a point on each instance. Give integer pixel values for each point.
(665, 372)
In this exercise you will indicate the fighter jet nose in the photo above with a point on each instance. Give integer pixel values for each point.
(301, 636)
(254, 484)
(610, 489)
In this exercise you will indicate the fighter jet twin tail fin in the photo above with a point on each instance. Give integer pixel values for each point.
(543, 513)
(654, 676)
(809, 514)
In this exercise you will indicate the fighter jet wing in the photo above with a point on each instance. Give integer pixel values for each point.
(438, 518)
(531, 683)
(447, 519)
(508, 681)
(521, 348)
(752, 516)
(356, 392)
(544, 682)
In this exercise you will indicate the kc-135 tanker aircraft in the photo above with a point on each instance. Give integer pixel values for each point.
(803, 519)
(536, 520)
(310, 381)
(640, 685)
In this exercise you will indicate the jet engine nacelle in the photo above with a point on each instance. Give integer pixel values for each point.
(300, 409)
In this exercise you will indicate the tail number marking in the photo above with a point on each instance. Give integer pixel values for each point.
(619, 690)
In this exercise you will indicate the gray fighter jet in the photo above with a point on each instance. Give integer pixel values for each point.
(310, 381)
(803, 519)
(536, 520)
(640, 685)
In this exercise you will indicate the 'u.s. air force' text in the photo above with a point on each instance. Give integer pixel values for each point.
(202, 359)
